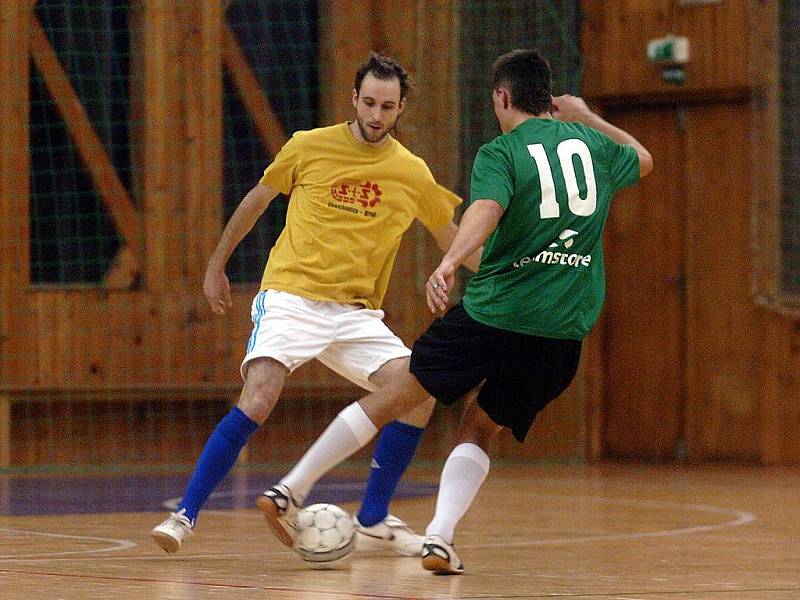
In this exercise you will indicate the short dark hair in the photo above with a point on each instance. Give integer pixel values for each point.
(527, 76)
(382, 67)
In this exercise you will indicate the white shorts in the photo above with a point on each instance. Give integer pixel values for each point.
(351, 340)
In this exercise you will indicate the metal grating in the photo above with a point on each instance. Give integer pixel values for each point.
(790, 149)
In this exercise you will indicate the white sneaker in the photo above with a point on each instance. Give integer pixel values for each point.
(440, 557)
(280, 511)
(390, 534)
(172, 531)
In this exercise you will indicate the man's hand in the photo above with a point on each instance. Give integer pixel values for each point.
(437, 289)
(571, 108)
(217, 289)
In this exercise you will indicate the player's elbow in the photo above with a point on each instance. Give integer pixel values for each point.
(645, 162)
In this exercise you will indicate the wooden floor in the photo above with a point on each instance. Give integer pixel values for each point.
(609, 531)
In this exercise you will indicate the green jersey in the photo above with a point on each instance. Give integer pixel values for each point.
(542, 269)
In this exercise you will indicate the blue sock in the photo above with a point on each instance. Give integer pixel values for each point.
(393, 453)
(216, 459)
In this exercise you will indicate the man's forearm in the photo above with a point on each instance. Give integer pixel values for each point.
(476, 224)
(620, 136)
(241, 222)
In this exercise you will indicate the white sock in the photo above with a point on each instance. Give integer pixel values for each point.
(350, 431)
(463, 474)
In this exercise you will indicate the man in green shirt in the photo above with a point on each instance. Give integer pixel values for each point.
(540, 193)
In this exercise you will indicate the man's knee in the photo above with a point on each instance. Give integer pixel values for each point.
(390, 370)
(481, 437)
(397, 397)
(264, 379)
(478, 428)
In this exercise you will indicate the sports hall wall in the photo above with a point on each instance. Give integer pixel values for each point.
(688, 361)
(109, 355)
(698, 350)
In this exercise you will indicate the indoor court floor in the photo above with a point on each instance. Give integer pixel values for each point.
(609, 531)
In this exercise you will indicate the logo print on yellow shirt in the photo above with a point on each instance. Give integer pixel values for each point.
(351, 191)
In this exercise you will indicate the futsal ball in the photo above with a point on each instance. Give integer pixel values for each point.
(323, 533)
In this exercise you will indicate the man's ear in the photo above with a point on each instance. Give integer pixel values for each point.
(401, 106)
(502, 95)
(355, 98)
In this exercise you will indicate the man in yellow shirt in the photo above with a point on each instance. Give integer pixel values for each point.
(354, 190)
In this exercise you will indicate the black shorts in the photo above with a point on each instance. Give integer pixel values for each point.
(522, 373)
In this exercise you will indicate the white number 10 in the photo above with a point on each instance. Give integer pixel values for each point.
(582, 207)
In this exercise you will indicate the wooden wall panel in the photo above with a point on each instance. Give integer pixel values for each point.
(347, 39)
(202, 56)
(432, 125)
(436, 125)
(593, 394)
(163, 131)
(615, 40)
(397, 37)
(121, 339)
(14, 183)
(643, 325)
(767, 143)
(722, 350)
(779, 369)
(200, 329)
(81, 341)
(741, 383)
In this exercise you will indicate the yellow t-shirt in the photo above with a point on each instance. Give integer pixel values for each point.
(349, 205)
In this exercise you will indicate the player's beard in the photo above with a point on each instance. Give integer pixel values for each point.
(369, 134)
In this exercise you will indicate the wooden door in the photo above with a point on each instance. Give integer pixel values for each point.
(643, 323)
(723, 339)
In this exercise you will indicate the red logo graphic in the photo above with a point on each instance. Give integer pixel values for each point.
(350, 191)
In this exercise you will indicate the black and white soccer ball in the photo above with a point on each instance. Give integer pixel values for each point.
(324, 533)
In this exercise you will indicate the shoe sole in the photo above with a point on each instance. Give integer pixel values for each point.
(166, 542)
(273, 518)
(439, 566)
